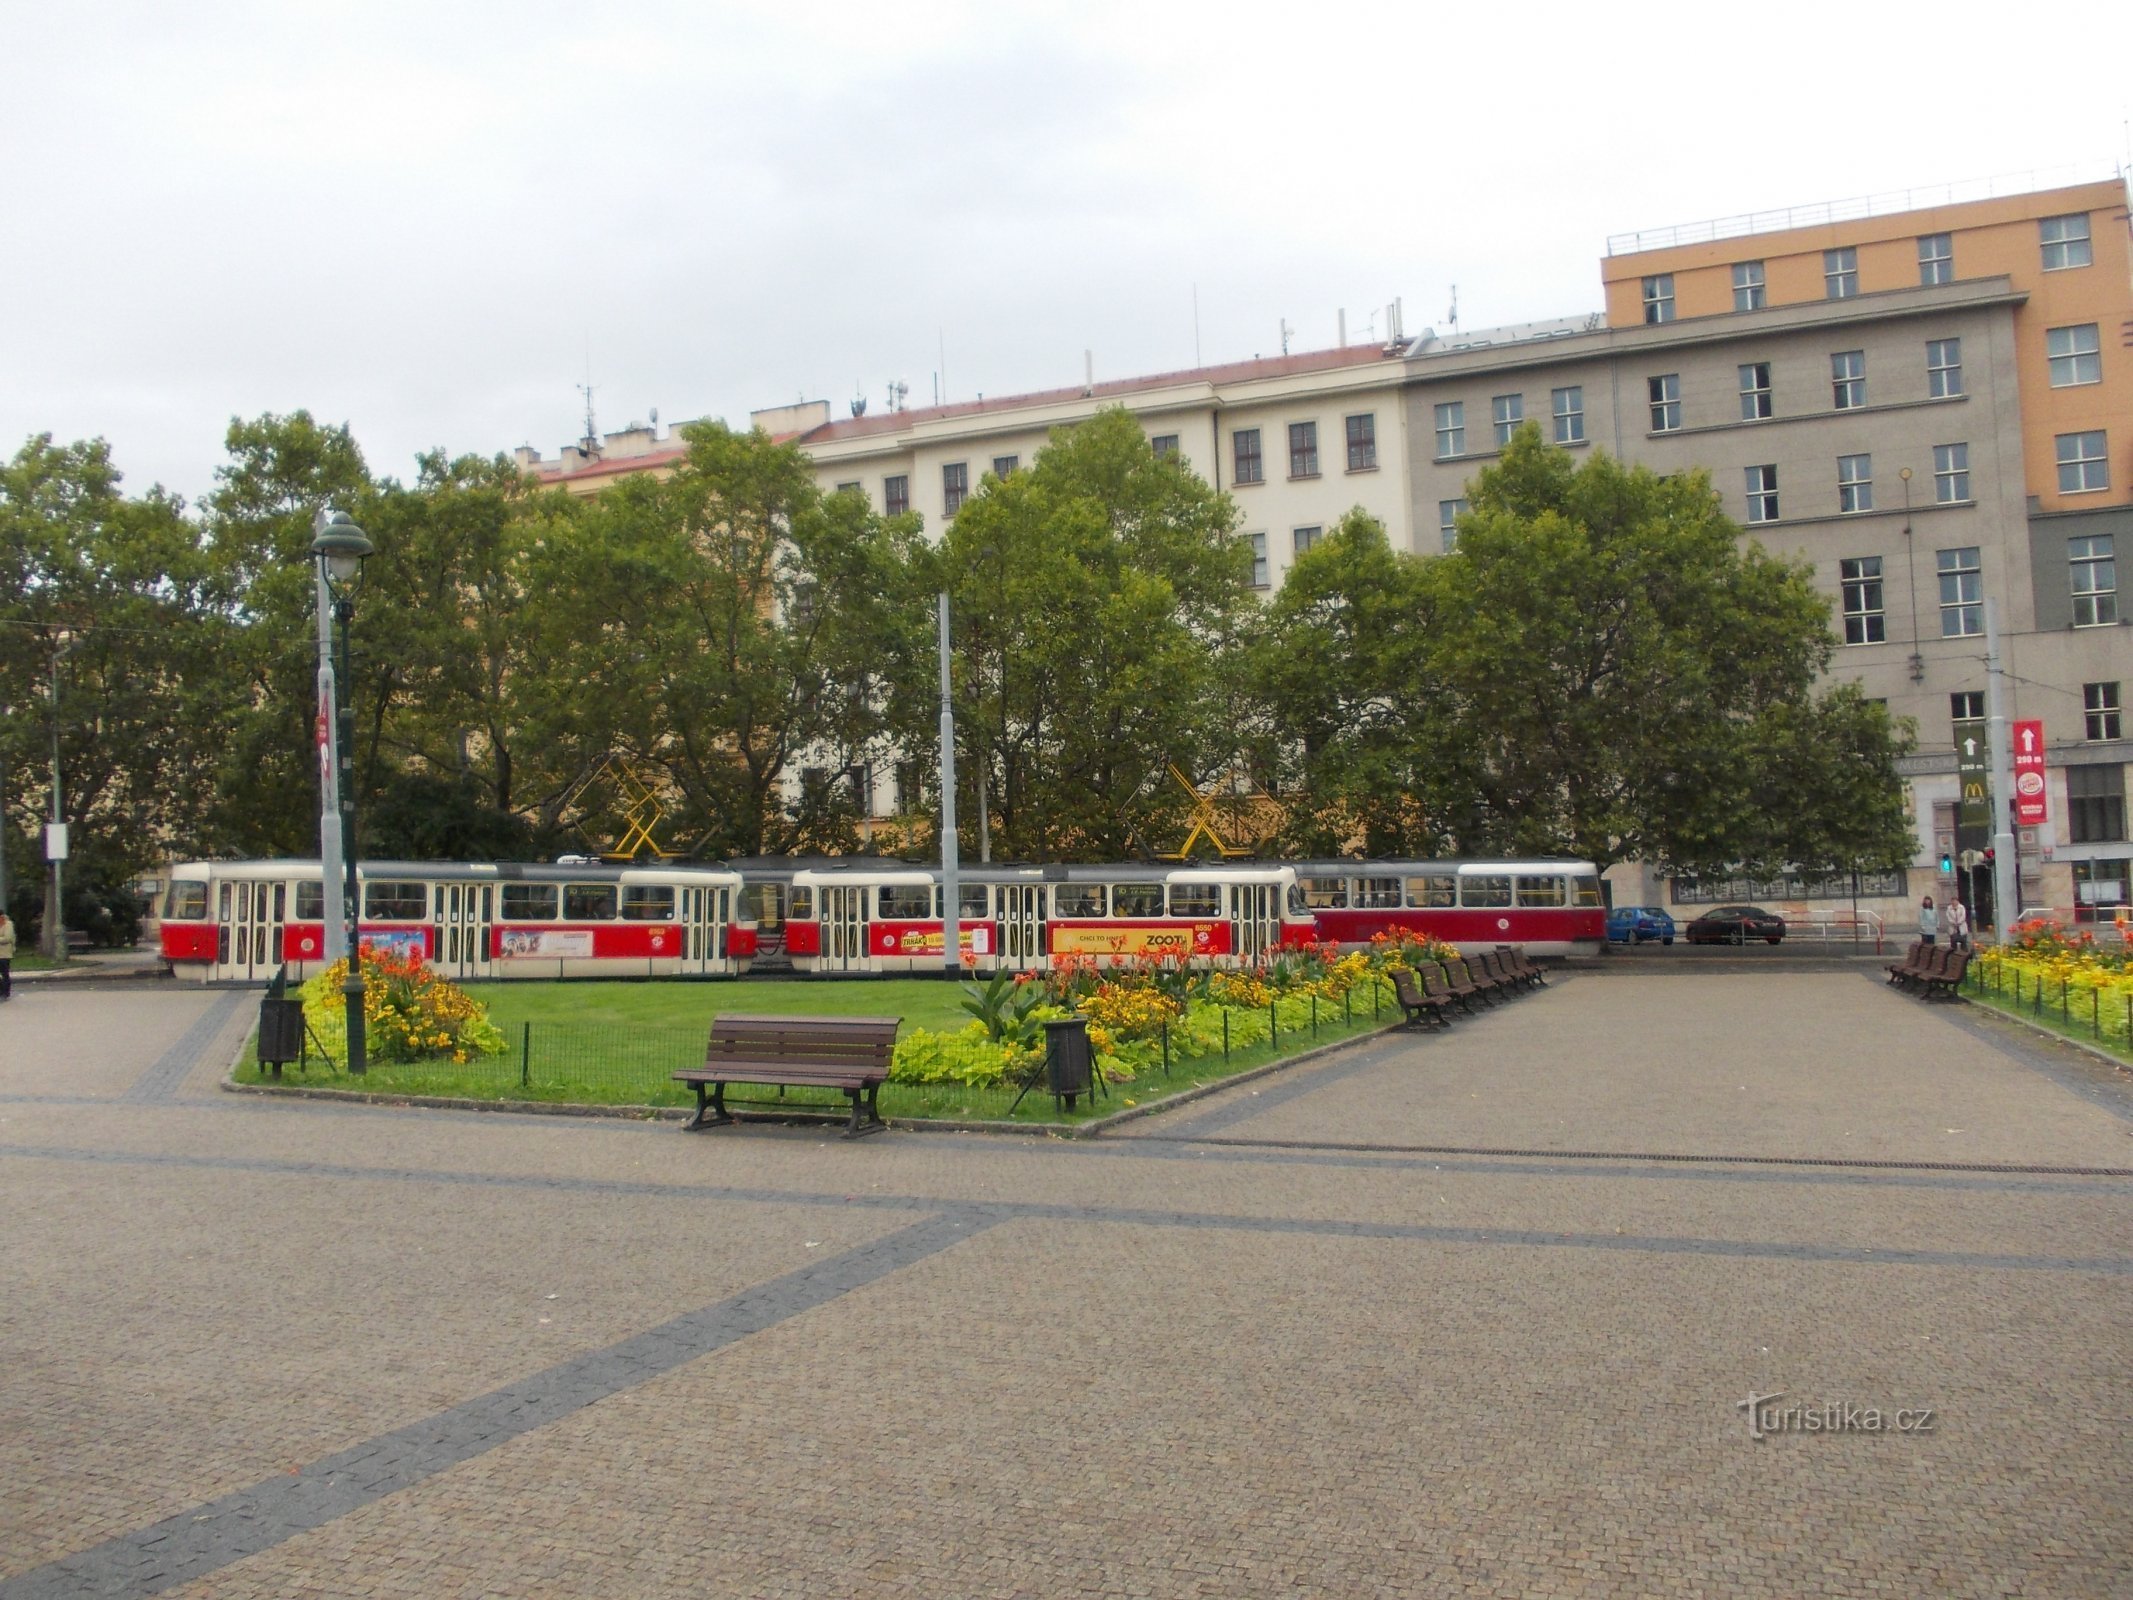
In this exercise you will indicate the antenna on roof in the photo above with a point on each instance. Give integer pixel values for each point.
(590, 444)
(1286, 330)
(1452, 316)
(859, 405)
(898, 389)
(655, 419)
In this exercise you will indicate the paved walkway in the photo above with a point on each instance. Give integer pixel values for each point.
(1468, 1314)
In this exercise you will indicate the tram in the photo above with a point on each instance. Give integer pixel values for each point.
(885, 916)
(240, 921)
(1548, 908)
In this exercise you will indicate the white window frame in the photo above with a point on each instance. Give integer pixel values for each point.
(1762, 484)
(1944, 368)
(1451, 429)
(1448, 514)
(1362, 441)
(955, 486)
(1659, 297)
(1864, 602)
(1507, 412)
(1855, 484)
(1840, 273)
(1751, 290)
(1962, 591)
(1936, 258)
(1663, 393)
(1301, 540)
(1757, 395)
(2086, 456)
(1951, 473)
(1261, 575)
(2092, 575)
(1568, 406)
(2101, 716)
(2064, 242)
(1847, 380)
(2075, 353)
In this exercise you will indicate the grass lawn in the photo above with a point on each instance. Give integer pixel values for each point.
(2083, 1017)
(617, 1043)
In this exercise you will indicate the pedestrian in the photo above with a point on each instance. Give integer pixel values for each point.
(7, 957)
(1958, 925)
(1928, 925)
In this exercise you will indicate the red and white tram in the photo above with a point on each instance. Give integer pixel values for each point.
(877, 916)
(239, 921)
(1550, 908)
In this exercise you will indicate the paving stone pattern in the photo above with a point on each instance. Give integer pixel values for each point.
(1314, 1335)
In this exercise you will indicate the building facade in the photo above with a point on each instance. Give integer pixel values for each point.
(1929, 406)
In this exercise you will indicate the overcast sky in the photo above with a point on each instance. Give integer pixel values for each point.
(428, 220)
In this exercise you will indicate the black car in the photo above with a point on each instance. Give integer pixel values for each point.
(1736, 925)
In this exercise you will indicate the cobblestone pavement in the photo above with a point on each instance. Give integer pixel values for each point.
(1457, 1314)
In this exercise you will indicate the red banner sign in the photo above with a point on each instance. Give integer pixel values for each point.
(2032, 804)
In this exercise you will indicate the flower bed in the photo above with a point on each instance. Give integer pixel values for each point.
(409, 1012)
(2066, 978)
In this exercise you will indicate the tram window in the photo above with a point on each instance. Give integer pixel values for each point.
(1324, 894)
(973, 902)
(1585, 891)
(186, 902)
(1377, 893)
(588, 902)
(1432, 890)
(648, 902)
(529, 902)
(310, 902)
(1298, 907)
(392, 901)
(1078, 900)
(800, 903)
(222, 902)
(905, 901)
(1136, 899)
(1488, 889)
(1535, 889)
(1196, 899)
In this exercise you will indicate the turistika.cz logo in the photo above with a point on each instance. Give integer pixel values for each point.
(1766, 1417)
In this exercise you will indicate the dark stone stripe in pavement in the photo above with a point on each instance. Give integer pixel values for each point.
(159, 1084)
(208, 1537)
(1021, 1210)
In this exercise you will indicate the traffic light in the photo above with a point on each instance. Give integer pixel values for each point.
(1988, 857)
(1947, 864)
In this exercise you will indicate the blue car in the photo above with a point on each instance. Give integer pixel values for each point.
(1635, 924)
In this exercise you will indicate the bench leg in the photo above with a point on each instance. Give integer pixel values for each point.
(855, 1129)
(697, 1121)
(720, 1117)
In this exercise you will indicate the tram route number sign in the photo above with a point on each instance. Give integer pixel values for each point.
(1194, 939)
(1973, 771)
(2032, 801)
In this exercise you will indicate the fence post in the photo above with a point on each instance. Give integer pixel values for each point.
(2065, 1016)
(1225, 1036)
(525, 1057)
(2096, 1011)
(1166, 1047)
(1273, 1025)
(1347, 1014)
(1314, 1016)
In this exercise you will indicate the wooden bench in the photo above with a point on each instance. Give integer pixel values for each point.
(1948, 982)
(847, 1053)
(1902, 972)
(1477, 978)
(1419, 1004)
(1521, 966)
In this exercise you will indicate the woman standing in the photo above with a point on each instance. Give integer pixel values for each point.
(1928, 925)
(7, 957)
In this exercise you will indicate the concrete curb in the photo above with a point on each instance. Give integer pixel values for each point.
(624, 1113)
(2085, 1046)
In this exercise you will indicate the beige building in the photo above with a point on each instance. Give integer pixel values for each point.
(1929, 406)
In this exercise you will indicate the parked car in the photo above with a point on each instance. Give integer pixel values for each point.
(1635, 924)
(1736, 925)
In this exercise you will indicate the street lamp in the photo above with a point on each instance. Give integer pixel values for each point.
(55, 835)
(338, 547)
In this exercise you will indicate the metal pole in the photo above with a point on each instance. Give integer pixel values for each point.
(951, 890)
(2005, 911)
(5, 712)
(329, 777)
(352, 990)
(55, 907)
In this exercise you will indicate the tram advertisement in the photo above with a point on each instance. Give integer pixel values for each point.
(926, 939)
(516, 943)
(1152, 939)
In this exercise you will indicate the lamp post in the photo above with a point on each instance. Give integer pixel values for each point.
(338, 547)
(55, 834)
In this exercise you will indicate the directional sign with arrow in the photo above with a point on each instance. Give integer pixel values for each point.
(1973, 771)
(2032, 798)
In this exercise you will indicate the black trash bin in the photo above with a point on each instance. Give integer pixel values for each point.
(1067, 1060)
(281, 1026)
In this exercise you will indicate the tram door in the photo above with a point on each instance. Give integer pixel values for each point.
(1022, 946)
(704, 915)
(844, 927)
(1255, 920)
(461, 937)
(248, 919)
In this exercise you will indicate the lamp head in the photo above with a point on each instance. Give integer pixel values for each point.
(341, 545)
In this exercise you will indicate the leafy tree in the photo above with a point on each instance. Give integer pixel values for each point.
(112, 589)
(1094, 596)
(1630, 679)
(1337, 675)
(739, 627)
